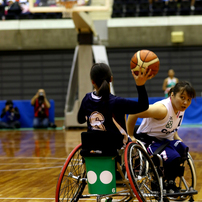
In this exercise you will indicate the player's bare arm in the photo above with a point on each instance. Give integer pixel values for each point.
(157, 111)
(164, 84)
(176, 137)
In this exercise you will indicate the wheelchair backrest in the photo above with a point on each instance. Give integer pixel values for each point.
(100, 143)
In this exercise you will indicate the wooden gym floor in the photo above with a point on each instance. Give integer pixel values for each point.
(31, 160)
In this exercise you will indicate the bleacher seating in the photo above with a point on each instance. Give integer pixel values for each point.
(11, 16)
(126, 8)
(185, 8)
(172, 8)
(158, 8)
(28, 16)
(25, 16)
(198, 7)
(117, 9)
(2, 11)
(136, 8)
(144, 9)
(131, 9)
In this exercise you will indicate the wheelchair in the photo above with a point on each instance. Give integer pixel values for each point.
(186, 182)
(137, 177)
(130, 162)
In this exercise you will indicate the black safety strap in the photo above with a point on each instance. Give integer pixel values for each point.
(161, 148)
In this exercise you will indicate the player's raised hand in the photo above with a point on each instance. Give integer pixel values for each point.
(142, 77)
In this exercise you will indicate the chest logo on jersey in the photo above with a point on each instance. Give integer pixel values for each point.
(170, 123)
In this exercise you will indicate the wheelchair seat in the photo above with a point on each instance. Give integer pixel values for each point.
(100, 143)
(85, 166)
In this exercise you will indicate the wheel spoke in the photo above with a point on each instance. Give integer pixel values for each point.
(69, 187)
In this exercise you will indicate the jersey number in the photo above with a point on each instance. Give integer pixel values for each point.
(164, 155)
(180, 117)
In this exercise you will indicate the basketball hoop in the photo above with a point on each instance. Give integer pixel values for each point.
(67, 4)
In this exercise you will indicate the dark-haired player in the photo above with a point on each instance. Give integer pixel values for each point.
(106, 112)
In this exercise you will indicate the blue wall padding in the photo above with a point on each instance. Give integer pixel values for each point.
(193, 114)
(27, 111)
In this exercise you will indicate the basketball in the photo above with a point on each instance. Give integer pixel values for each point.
(145, 58)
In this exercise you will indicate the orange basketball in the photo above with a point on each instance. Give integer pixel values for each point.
(145, 58)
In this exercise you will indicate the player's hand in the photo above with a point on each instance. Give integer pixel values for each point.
(7, 107)
(142, 77)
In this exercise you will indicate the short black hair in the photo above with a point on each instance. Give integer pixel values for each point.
(9, 102)
(183, 86)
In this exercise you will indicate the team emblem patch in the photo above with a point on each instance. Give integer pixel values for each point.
(96, 120)
(170, 123)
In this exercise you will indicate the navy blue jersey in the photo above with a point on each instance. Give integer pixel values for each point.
(110, 115)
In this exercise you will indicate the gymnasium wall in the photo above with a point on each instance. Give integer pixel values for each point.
(38, 54)
(122, 32)
(185, 60)
(22, 73)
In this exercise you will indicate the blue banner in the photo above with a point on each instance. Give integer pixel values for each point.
(27, 111)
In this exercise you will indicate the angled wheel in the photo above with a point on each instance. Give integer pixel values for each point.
(71, 181)
(187, 181)
(142, 174)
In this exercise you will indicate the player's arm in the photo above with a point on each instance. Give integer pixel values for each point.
(164, 84)
(33, 100)
(81, 117)
(176, 137)
(157, 111)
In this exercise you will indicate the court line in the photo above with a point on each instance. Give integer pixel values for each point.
(27, 163)
(39, 199)
(42, 168)
(31, 158)
(46, 199)
(32, 129)
(28, 198)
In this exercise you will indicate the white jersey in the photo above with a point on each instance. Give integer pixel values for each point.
(163, 129)
(171, 82)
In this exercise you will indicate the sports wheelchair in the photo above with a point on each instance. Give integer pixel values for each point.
(185, 181)
(136, 175)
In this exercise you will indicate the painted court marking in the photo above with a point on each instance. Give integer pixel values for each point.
(24, 157)
(37, 199)
(42, 168)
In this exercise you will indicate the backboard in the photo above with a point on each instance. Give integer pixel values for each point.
(97, 9)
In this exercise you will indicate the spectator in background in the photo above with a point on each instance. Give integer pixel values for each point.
(2, 10)
(192, 5)
(24, 6)
(14, 8)
(169, 82)
(41, 109)
(83, 2)
(10, 116)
